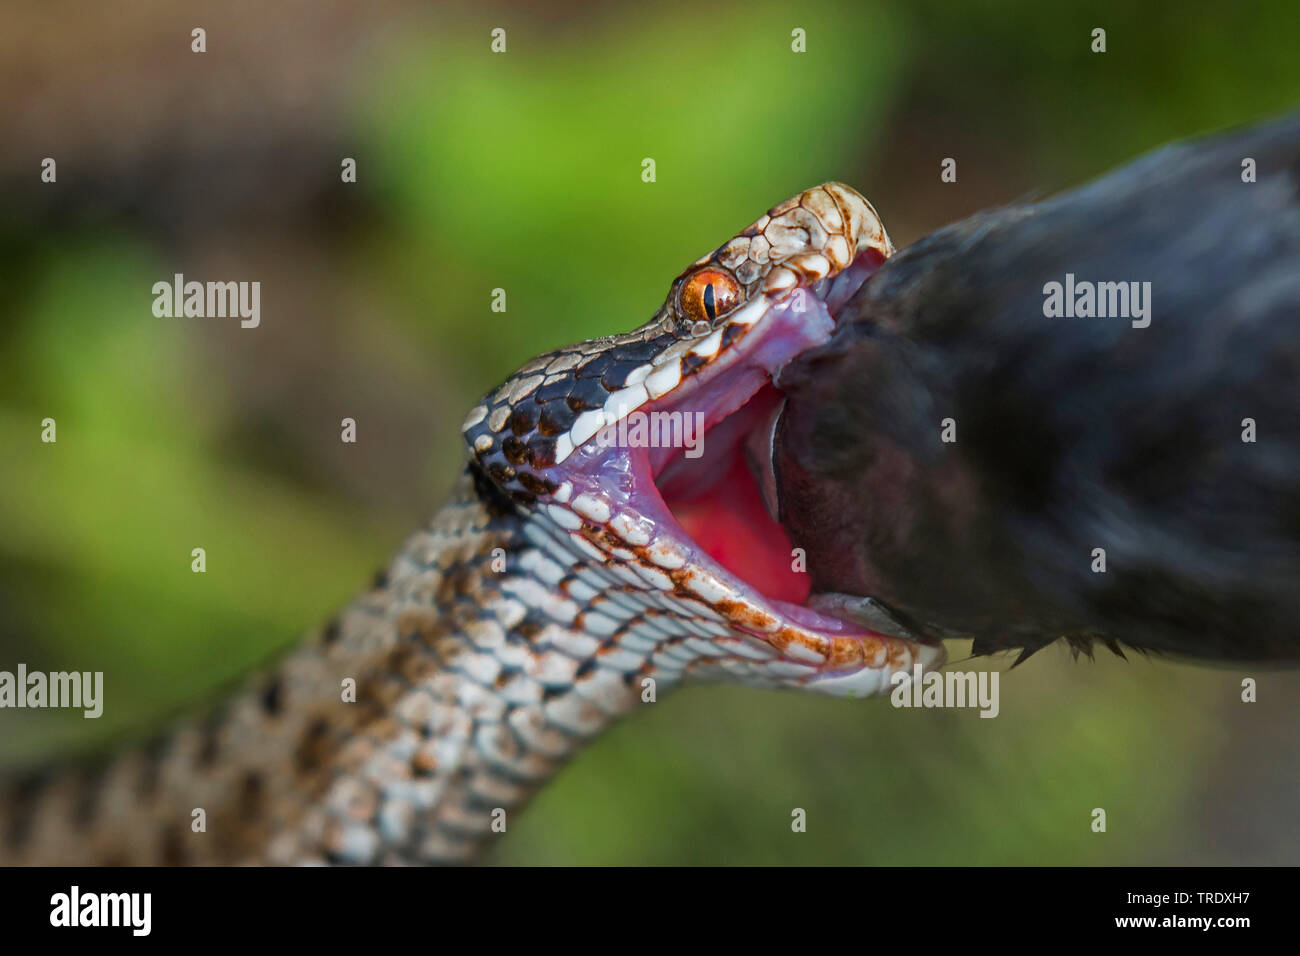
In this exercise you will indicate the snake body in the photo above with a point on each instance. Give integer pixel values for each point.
(553, 593)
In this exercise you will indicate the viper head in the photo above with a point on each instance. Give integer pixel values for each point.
(641, 462)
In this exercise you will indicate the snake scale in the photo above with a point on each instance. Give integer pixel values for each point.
(553, 593)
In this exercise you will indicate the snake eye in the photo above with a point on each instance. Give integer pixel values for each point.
(706, 295)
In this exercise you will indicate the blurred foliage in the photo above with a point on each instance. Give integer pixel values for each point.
(523, 172)
(108, 515)
(1169, 71)
(536, 156)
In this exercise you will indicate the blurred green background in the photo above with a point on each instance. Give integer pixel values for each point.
(523, 171)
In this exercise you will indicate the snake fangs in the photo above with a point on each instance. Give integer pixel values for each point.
(582, 567)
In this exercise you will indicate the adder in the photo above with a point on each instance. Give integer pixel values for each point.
(568, 580)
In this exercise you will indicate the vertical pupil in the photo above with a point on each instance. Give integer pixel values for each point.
(709, 306)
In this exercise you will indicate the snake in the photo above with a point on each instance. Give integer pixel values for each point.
(611, 536)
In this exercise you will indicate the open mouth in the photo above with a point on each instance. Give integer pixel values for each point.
(661, 480)
(722, 491)
(686, 481)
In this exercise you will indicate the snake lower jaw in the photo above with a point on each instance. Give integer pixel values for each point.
(868, 682)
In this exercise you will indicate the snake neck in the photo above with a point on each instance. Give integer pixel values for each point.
(409, 729)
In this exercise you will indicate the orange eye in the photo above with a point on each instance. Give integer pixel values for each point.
(706, 295)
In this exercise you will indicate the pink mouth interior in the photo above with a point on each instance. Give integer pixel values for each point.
(716, 500)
